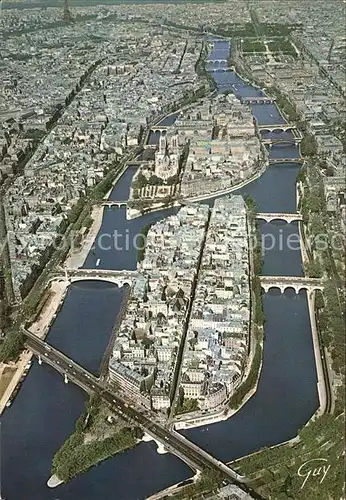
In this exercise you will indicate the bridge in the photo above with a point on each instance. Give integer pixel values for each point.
(258, 100)
(173, 442)
(272, 161)
(287, 217)
(219, 70)
(159, 129)
(279, 127)
(114, 203)
(218, 61)
(273, 142)
(119, 278)
(298, 283)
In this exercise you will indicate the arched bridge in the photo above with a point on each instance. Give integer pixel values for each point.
(278, 127)
(269, 217)
(114, 203)
(219, 70)
(298, 283)
(258, 100)
(159, 129)
(119, 278)
(273, 142)
(272, 161)
(173, 442)
(216, 61)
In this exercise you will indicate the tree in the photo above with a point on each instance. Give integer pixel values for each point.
(147, 342)
(308, 145)
(301, 174)
(12, 345)
(154, 180)
(313, 269)
(319, 301)
(251, 205)
(250, 381)
(75, 211)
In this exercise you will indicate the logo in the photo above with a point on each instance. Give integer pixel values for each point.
(316, 467)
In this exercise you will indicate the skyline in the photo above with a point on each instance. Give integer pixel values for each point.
(172, 224)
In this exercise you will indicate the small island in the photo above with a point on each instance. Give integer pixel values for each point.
(99, 434)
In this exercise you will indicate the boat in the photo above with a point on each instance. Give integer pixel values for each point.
(98, 262)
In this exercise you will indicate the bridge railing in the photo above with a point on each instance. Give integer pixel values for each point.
(286, 160)
(103, 272)
(291, 279)
(33, 339)
(288, 217)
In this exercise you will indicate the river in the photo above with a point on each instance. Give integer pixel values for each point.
(45, 410)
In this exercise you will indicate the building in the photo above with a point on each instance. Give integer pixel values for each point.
(167, 158)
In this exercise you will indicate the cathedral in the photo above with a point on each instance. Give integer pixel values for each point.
(167, 158)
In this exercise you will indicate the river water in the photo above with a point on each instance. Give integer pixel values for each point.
(45, 410)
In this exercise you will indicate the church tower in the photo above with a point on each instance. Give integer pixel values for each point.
(163, 145)
(175, 143)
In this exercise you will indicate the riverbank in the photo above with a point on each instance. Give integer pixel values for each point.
(175, 488)
(321, 376)
(11, 375)
(231, 189)
(321, 383)
(40, 327)
(49, 309)
(76, 257)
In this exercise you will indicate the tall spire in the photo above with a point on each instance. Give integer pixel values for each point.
(67, 13)
(162, 144)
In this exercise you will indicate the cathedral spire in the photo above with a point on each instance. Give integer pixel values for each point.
(67, 13)
(163, 145)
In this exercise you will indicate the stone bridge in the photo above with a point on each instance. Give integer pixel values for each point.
(273, 142)
(119, 278)
(218, 70)
(159, 129)
(298, 283)
(258, 100)
(114, 203)
(279, 127)
(272, 161)
(218, 61)
(269, 217)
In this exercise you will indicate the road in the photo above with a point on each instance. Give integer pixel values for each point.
(173, 442)
(183, 342)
